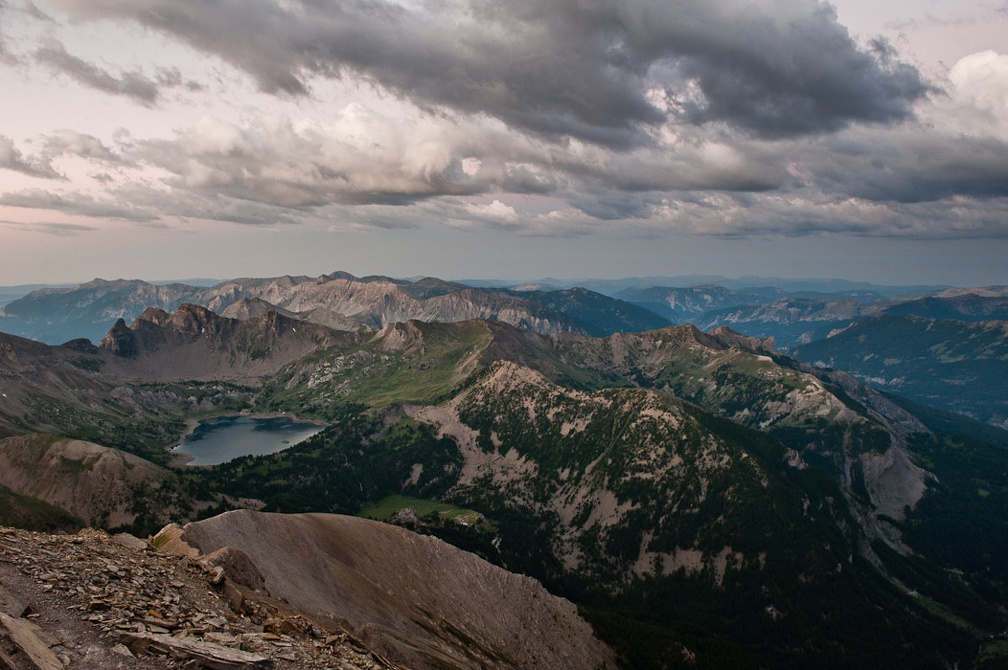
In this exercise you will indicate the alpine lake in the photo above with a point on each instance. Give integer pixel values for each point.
(224, 438)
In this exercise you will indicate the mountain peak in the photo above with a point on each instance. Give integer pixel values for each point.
(730, 338)
(120, 340)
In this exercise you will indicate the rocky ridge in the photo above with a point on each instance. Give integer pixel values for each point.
(197, 344)
(252, 591)
(338, 300)
(91, 600)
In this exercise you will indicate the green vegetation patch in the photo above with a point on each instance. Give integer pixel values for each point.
(994, 655)
(30, 513)
(386, 508)
(425, 371)
(73, 465)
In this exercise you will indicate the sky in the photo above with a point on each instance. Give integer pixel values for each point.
(158, 139)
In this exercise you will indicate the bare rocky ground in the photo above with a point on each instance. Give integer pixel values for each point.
(90, 600)
(413, 598)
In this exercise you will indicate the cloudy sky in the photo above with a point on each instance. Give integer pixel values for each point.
(161, 139)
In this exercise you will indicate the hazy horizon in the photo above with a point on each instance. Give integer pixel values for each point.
(642, 281)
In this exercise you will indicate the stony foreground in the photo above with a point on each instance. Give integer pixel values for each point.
(91, 600)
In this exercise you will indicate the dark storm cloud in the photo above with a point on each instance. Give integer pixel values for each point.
(63, 229)
(186, 205)
(57, 229)
(549, 117)
(5, 54)
(615, 206)
(906, 167)
(32, 10)
(560, 68)
(171, 77)
(135, 85)
(764, 92)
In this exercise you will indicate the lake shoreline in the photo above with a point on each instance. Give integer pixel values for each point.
(181, 459)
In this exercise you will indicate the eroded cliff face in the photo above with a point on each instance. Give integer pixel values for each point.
(194, 343)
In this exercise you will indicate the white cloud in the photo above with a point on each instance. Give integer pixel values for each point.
(979, 94)
(495, 211)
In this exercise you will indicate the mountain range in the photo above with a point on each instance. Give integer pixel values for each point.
(801, 321)
(703, 498)
(954, 365)
(339, 300)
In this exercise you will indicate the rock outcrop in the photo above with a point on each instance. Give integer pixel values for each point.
(99, 602)
(194, 343)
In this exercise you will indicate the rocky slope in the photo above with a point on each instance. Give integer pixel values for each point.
(634, 472)
(791, 320)
(87, 311)
(597, 314)
(67, 391)
(96, 485)
(253, 308)
(415, 598)
(729, 375)
(671, 461)
(378, 301)
(196, 344)
(687, 304)
(272, 591)
(973, 305)
(94, 601)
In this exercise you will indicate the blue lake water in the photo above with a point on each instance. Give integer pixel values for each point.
(224, 438)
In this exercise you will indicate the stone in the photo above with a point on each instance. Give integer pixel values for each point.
(24, 637)
(131, 541)
(123, 650)
(210, 655)
(11, 605)
(237, 566)
(169, 540)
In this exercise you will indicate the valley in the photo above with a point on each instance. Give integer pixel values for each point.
(701, 497)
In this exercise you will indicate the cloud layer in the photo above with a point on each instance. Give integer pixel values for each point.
(562, 117)
(559, 68)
